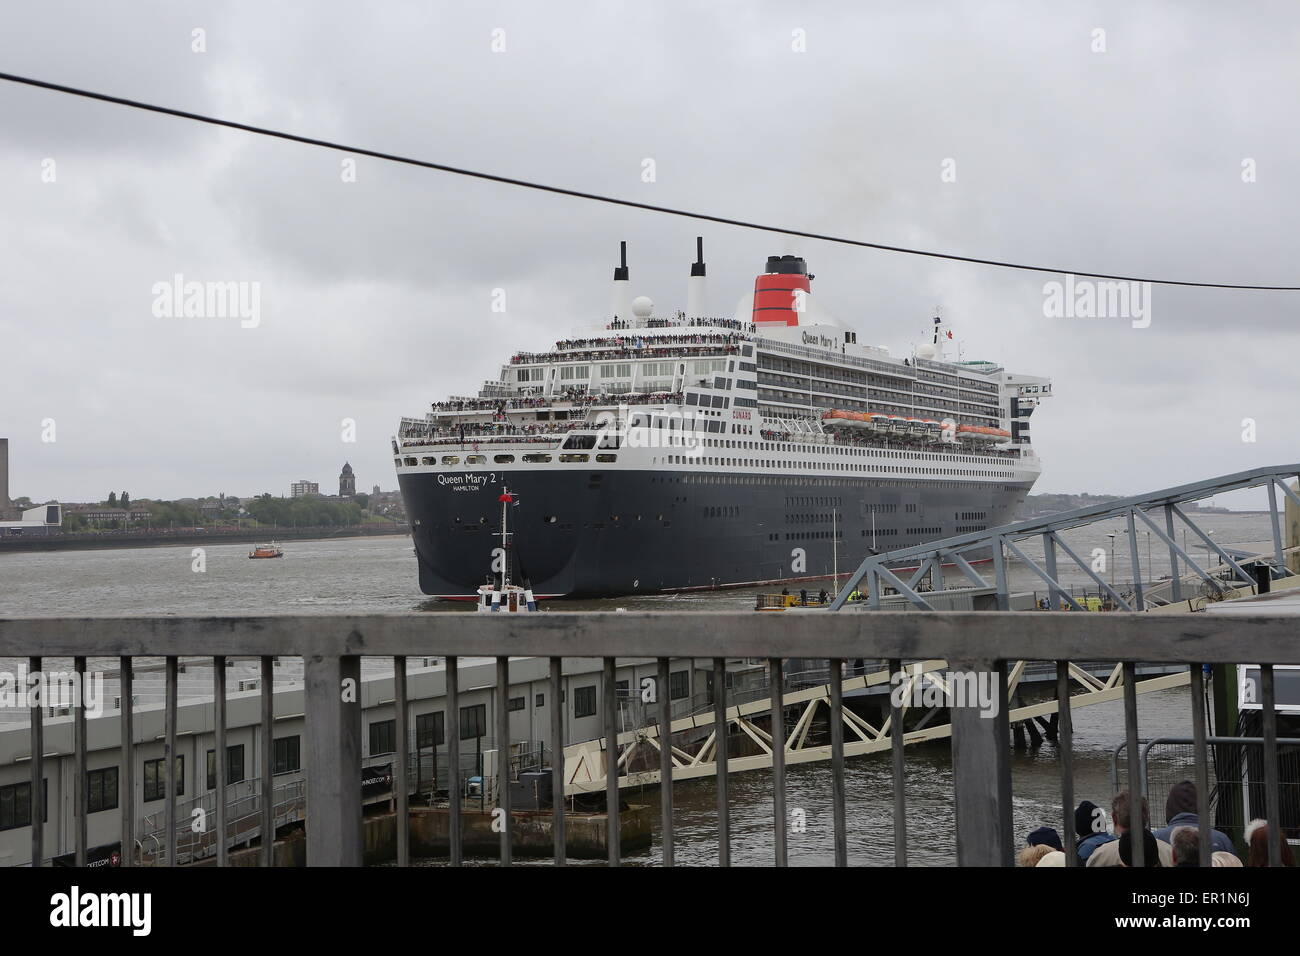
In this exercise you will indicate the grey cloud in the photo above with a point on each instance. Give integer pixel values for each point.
(376, 293)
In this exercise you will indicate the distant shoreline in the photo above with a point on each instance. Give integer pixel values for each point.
(113, 542)
(1191, 512)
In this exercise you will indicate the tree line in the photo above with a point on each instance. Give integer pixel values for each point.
(306, 511)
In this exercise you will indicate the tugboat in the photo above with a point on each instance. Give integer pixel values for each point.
(501, 595)
(271, 550)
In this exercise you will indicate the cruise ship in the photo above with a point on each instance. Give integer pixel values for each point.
(655, 453)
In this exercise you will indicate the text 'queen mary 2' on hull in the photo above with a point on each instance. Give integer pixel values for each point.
(652, 453)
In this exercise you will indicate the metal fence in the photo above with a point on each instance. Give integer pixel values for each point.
(1237, 785)
(978, 645)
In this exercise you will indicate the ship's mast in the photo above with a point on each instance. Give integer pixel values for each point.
(505, 500)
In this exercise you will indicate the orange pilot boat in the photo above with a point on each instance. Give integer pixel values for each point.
(266, 551)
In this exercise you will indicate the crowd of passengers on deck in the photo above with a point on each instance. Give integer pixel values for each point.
(492, 431)
(842, 438)
(663, 346)
(568, 396)
(681, 322)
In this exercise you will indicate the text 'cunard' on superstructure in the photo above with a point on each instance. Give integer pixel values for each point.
(666, 453)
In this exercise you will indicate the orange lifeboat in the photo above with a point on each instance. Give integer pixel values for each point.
(836, 416)
(983, 433)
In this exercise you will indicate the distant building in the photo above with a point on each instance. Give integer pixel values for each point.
(95, 514)
(304, 487)
(374, 490)
(347, 482)
(41, 520)
(5, 503)
(100, 513)
(216, 507)
(388, 504)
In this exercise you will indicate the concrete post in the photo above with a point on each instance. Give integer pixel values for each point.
(333, 765)
(4, 478)
(981, 766)
(1292, 521)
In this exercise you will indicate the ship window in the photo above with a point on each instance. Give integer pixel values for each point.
(428, 461)
(572, 458)
(476, 459)
(504, 459)
(410, 461)
(451, 459)
(537, 459)
(603, 458)
(580, 441)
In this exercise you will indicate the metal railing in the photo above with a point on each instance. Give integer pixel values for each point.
(1005, 543)
(244, 820)
(978, 645)
(1237, 786)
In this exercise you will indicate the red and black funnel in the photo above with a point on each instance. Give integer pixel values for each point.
(776, 291)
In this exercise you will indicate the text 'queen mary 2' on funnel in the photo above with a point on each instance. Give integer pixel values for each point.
(686, 451)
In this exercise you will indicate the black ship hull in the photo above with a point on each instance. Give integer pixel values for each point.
(609, 533)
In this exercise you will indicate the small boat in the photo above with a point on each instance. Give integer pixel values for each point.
(790, 602)
(267, 551)
(501, 595)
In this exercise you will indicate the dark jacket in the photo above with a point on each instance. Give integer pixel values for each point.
(1086, 846)
(1218, 839)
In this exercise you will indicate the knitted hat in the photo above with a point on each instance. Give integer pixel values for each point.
(1045, 836)
(1084, 816)
(1182, 799)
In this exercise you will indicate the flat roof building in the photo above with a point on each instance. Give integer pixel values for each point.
(5, 503)
(41, 520)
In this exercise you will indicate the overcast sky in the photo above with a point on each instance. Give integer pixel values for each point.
(376, 295)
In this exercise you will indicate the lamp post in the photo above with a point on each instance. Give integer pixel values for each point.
(1150, 572)
(1111, 535)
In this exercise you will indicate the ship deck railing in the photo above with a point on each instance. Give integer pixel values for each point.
(691, 351)
(549, 403)
(679, 321)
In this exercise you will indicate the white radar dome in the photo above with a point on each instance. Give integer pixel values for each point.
(926, 351)
(642, 307)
